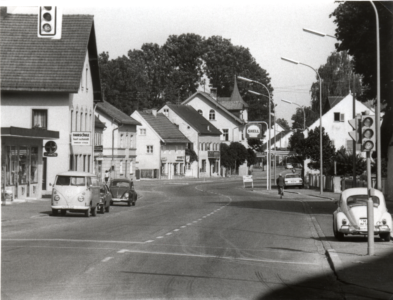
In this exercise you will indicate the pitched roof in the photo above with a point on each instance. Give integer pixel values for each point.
(235, 102)
(29, 63)
(116, 114)
(168, 131)
(194, 119)
(214, 104)
(333, 100)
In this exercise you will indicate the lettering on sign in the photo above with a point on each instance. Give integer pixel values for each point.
(80, 138)
(254, 131)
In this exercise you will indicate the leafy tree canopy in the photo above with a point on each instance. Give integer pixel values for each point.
(251, 157)
(298, 117)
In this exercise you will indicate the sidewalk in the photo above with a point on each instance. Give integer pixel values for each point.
(349, 259)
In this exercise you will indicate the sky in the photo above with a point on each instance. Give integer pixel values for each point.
(269, 29)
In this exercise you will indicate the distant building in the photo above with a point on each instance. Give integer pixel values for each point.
(121, 131)
(204, 138)
(161, 146)
(48, 91)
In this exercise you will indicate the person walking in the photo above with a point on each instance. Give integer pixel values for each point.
(280, 185)
(106, 176)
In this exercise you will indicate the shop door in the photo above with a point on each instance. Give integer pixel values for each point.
(44, 173)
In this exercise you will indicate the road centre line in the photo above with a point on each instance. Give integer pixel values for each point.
(69, 240)
(218, 257)
(176, 229)
(106, 259)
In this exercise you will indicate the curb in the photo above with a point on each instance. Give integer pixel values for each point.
(323, 197)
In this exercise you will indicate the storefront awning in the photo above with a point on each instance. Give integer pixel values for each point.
(32, 133)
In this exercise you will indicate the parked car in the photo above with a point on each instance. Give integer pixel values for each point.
(75, 192)
(122, 190)
(105, 198)
(288, 166)
(351, 214)
(293, 180)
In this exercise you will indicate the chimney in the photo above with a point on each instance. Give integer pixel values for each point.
(213, 93)
(154, 111)
(3, 11)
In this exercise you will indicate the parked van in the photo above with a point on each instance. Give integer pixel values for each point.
(75, 192)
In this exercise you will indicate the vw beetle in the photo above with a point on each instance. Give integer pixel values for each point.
(351, 214)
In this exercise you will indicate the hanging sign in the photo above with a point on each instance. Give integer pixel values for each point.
(254, 131)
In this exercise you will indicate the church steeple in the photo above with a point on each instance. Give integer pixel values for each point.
(235, 96)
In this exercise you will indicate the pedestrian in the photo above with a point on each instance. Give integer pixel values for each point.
(280, 185)
(106, 176)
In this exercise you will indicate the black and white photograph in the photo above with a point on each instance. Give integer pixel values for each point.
(206, 150)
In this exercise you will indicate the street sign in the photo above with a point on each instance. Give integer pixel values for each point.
(248, 178)
(254, 131)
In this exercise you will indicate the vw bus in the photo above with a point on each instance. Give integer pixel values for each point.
(75, 192)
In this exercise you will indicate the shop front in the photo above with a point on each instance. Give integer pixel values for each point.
(22, 161)
(214, 161)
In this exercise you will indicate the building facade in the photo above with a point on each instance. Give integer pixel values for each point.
(48, 92)
(204, 138)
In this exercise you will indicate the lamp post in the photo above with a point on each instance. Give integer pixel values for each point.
(320, 116)
(302, 107)
(268, 143)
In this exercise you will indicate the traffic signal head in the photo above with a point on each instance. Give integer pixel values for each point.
(368, 133)
(49, 22)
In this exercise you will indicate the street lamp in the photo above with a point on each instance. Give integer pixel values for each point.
(268, 143)
(318, 33)
(320, 115)
(302, 107)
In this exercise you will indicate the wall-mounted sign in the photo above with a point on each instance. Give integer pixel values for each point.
(213, 154)
(254, 131)
(180, 158)
(99, 148)
(80, 138)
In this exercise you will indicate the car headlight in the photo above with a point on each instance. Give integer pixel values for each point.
(344, 221)
(384, 222)
(81, 198)
(126, 195)
(57, 197)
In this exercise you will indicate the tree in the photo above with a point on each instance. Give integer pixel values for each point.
(344, 163)
(309, 148)
(337, 80)
(251, 157)
(255, 144)
(298, 117)
(356, 33)
(227, 160)
(239, 153)
(283, 123)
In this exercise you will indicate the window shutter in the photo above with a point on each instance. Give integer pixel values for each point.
(342, 117)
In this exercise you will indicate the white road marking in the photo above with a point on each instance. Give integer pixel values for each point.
(106, 259)
(70, 240)
(176, 229)
(169, 233)
(160, 237)
(204, 217)
(149, 241)
(189, 224)
(222, 257)
(199, 219)
(89, 270)
(183, 226)
(122, 251)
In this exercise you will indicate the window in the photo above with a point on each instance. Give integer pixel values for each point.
(86, 124)
(131, 170)
(81, 122)
(76, 121)
(225, 134)
(142, 131)
(121, 167)
(90, 123)
(212, 115)
(166, 112)
(339, 117)
(40, 118)
(86, 78)
(84, 163)
(131, 141)
(72, 120)
(121, 140)
(149, 149)
(203, 168)
(207, 146)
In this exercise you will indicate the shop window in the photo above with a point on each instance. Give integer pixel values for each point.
(40, 118)
(24, 156)
(34, 165)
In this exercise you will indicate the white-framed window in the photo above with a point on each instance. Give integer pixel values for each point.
(121, 140)
(212, 114)
(225, 134)
(131, 140)
(142, 131)
(149, 149)
(166, 112)
(131, 167)
(121, 167)
(207, 147)
(40, 118)
(339, 117)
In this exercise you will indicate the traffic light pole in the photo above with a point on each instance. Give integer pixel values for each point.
(370, 210)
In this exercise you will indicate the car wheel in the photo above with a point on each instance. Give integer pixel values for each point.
(63, 212)
(107, 208)
(385, 236)
(54, 212)
(111, 203)
(129, 203)
(103, 208)
(94, 211)
(87, 212)
(338, 235)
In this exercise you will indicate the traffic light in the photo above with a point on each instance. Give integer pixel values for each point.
(49, 22)
(368, 133)
(355, 134)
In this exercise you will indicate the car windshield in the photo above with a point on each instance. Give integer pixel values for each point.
(70, 180)
(120, 184)
(361, 200)
(292, 176)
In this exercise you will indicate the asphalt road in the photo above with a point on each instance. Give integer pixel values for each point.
(195, 240)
